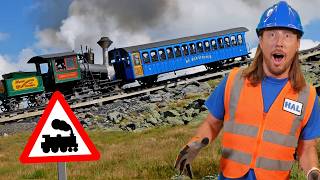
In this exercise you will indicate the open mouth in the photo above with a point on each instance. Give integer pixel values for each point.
(278, 57)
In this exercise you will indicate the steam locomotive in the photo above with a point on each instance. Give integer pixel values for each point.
(63, 143)
(70, 72)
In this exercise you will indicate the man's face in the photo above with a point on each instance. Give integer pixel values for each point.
(279, 47)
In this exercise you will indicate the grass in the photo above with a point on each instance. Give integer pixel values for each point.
(147, 154)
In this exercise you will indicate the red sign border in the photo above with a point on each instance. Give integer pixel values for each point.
(57, 96)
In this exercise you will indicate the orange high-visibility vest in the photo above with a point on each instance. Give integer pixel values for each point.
(265, 142)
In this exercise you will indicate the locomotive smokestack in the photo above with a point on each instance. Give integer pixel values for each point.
(105, 43)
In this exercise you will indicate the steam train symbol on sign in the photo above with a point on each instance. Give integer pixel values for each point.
(64, 143)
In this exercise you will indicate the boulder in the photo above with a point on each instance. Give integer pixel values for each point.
(152, 121)
(186, 120)
(196, 104)
(115, 117)
(174, 121)
(170, 113)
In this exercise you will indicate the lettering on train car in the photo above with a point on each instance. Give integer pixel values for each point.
(26, 83)
(68, 75)
(196, 58)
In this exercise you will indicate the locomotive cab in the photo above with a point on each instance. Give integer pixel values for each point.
(58, 70)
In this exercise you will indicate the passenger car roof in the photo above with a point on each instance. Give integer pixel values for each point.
(184, 39)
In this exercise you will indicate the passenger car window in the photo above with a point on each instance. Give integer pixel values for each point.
(177, 51)
(206, 46)
(233, 41)
(154, 56)
(136, 59)
(162, 54)
(192, 48)
(239, 39)
(227, 42)
(220, 43)
(185, 49)
(169, 52)
(145, 57)
(199, 47)
(214, 44)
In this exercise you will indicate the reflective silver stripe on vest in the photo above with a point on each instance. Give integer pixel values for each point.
(271, 164)
(289, 140)
(303, 98)
(231, 126)
(236, 156)
(281, 139)
(241, 129)
(235, 94)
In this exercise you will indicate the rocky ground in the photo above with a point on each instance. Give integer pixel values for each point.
(172, 106)
(312, 72)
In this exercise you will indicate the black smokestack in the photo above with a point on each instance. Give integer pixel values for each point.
(60, 125)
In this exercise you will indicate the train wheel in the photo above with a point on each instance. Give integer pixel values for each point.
(45, 149)
(63, 149)
(214, 66)
(75, 149)
(40, 99)
(54, 149)
(13, 104)
(31, 101)
(3, 106)
(148, 81)
(70, 149)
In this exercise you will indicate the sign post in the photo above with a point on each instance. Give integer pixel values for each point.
(59, 137)
(62, 171)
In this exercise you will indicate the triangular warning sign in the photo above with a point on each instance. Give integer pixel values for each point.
(58, 136)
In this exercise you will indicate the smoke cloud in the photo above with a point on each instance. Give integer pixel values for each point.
(128, 22)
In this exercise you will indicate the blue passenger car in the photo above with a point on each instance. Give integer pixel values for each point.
(145, 62)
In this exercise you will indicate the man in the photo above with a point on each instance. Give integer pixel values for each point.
(267, 110)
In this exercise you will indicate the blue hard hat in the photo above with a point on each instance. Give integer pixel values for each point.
(280, 15)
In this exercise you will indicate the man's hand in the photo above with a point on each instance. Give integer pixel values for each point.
(187, 154)
(314, 174)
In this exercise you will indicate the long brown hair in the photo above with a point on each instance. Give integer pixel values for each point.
(255, 73)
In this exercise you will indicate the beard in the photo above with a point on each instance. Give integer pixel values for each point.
(277, 70)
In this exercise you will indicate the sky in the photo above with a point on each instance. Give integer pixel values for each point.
(34, 27)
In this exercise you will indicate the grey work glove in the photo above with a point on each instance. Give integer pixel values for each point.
(186, 156)
(314, 174)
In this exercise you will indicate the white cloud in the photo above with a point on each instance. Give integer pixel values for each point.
(308, 43)
(23, 57)
(253, 52)
(6, 66)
